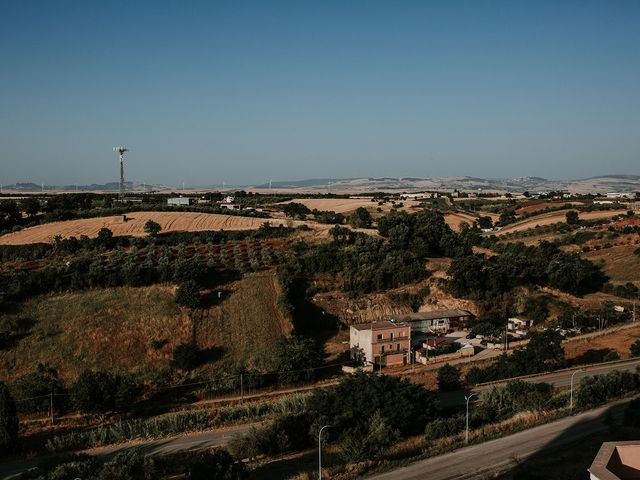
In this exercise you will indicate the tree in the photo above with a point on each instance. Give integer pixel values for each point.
(485, 222)
(361, 218)
(102, 391)
(8, 421)
(635, 349)
(294, 358)
(448, 378)
(296, 210)
(152, 228)
(31, 206)
(360, 444)
(188, 294)
(572, 217)
(105, 238)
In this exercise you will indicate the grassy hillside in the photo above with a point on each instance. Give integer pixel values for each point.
(136, 329)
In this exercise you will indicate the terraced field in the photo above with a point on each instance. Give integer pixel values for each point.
(557, 217)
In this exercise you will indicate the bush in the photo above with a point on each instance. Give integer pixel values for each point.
(448, 378)
(216, 464)
(501, 402)
(294, 358)
(36, 387)
(152, 228)
(444, 427)
(635, 349)
(597, 390)
(102, 391)
(8, 421)
(358, 444)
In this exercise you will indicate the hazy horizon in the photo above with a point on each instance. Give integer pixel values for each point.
(243, 93)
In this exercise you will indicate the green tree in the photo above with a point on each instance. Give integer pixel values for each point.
(448, 377)
(635, 349)
(361, 218)
(358, 444)
(294, 358)
(216, 464)
(31, 206)
(188, 294)
(102, 391)
(8, 421)
(152, 228)
(105, 238)
(485, 222)
(572, 217)
(296, 210)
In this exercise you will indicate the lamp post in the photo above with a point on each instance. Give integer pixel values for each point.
(466, 434)
(571, 390)
(320, 451)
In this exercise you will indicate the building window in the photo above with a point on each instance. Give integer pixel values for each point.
(379, 336)
(398, 347)
(382, 349)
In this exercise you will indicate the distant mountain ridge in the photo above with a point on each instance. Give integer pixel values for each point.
(618, 183)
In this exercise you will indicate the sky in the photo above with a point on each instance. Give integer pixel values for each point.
(248, 91)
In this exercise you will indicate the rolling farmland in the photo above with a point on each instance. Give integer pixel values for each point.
(134, 226)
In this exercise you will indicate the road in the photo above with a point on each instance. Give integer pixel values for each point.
(557, 379)
(191, 441)
(486, 459)
(201, 440)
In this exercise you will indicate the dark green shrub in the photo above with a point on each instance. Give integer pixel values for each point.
(8, 421)
(186, 356)
(448, 378)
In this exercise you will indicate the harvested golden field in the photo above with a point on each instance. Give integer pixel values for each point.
(134, 226)
(454, 220)
(557, 217)
(348, 205)
(618, 262)
(135, 329)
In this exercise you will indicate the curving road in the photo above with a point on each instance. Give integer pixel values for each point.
(486, 459)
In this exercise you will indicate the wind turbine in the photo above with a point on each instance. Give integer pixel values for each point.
(120, 151)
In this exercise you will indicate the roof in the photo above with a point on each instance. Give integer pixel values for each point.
(379, 325)
(414, 317)
(617, 461)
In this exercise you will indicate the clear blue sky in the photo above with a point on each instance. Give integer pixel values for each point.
(247, 91)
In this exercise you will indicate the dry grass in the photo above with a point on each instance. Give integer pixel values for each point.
(113, 328)
(455, 220)
(248, 322)
(620, 341)
(618, 262)
(107, 329)
(169, 221)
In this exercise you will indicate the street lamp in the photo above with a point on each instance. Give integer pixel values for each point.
(571, 390)
(320, 451)
(466, 435)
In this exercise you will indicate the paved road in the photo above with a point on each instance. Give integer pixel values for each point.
(485, 459)
(557, 379)
(193, 441)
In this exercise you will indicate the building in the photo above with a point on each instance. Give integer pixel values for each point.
(381, 343)
(617, 461)
(439, 321)
(180, 201)
(519, 326)
(231, 206)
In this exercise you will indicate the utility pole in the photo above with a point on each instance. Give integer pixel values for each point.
(51, 405)
(241, 389)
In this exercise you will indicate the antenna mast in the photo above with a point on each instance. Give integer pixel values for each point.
(120, 151)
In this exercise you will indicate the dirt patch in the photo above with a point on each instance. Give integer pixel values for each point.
(619, 341)
(557, 217)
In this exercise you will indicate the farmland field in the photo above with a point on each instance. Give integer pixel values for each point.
(348, 205)
(557, 217)
(619, 262)
(134, 226)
